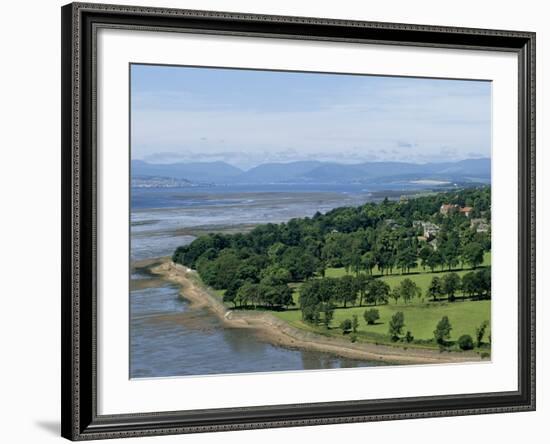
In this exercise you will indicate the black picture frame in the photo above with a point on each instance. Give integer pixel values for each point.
(80, 420)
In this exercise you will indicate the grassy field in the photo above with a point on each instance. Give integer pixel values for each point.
(420, 318)
(421, 315)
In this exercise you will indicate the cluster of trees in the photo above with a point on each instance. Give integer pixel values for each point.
(251, 294)
(395, 247)
(321, 296)
(473, 283)
(442, 332)
(396, 328)
(375, 235)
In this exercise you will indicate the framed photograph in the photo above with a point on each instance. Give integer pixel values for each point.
(278, 221)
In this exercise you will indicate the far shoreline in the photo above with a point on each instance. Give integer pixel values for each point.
(280, 333)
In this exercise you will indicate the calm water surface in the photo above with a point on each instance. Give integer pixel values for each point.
(170, 339)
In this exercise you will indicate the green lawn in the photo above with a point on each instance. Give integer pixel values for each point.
(420, 319)
(421, 315)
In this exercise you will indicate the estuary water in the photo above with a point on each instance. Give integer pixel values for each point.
(167, 336)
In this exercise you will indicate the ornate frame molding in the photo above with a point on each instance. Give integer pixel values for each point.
(79, 395)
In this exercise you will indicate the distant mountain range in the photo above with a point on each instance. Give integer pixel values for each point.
(469, 170)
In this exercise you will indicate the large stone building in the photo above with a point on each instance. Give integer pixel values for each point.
(429, 230)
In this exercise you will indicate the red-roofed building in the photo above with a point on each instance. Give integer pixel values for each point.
(466, 211)
(447, 209)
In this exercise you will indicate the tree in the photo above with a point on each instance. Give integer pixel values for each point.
(450, 248)
(321, 267)
(434, 260)
(442, 331)
(396, 325)
(221, 271)
(469, 284)
(248, 293)
(275, 275)
(328, 290)
(301, 264)
(309, 293)
(328, 311)
(230, 294)
(465, 342)
(451, 284)
(334, 249)
(408, 290)
(189, 254)
(409, 337)
(361, 285)
(473, 254)
(483, 279)
(311, 300)
(276, 295)
(424, 254)
(371, 316)
(395, 294)
(355, 261)
(346, 290)
(275, 251)
(354, 323)
(369, 261)
(346, 326)
(247, 272)
(312, 314)
(480, 332)
(435, 290)
(378, 292)
(406, 259)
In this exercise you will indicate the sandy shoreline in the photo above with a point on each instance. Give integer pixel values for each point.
(279, 332)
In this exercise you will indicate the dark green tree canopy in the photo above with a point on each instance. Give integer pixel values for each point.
(370, 240)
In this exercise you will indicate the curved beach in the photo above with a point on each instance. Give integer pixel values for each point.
(279, 332)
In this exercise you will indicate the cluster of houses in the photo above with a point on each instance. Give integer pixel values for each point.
(430, 230)
(480, 224)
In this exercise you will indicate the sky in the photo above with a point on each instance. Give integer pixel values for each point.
(250, 117)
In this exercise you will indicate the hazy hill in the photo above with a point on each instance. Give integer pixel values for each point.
(363, 172)
(470, 170)
(278, 172)
(198, 172)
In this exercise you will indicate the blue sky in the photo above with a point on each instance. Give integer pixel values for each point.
(249, 117)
